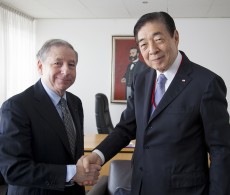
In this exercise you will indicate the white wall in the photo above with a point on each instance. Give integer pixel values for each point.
(205, 41)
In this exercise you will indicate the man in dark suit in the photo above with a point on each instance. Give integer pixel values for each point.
(135, 67)
(37, 155)
(175, 135)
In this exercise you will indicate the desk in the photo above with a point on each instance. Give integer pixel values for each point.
(92, 140)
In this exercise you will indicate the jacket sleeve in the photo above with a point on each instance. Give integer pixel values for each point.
(217, 134)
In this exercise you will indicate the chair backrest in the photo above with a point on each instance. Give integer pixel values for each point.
(3, 185)
(2, 181)
(120, 173)
(102, 113)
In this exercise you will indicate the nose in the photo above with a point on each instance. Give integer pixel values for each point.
(65, 69)
(153, 49)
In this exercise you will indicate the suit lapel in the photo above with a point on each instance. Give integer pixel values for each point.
(47, 110)
(180, 81)
(149, 84)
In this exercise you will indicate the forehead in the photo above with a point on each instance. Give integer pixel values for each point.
(62, 52)
(133, 50)
(151, 29)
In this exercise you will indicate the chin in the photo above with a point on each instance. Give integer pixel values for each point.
(154, 66)
(63, 87)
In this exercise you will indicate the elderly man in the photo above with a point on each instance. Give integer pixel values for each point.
(41, 130)
(178, 114)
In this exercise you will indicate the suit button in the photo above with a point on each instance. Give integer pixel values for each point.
(47, 183)
(141, 169)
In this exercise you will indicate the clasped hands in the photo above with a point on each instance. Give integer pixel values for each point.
(88, 168)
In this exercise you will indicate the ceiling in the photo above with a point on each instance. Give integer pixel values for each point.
(115, 9)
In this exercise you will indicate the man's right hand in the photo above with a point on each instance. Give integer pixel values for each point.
(123, 80)
(88, 175)
(92, 158)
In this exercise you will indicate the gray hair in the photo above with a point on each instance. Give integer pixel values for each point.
(42, 53)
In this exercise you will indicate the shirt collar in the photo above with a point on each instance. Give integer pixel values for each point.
(135, 61)
(171, 72)
(55, 98)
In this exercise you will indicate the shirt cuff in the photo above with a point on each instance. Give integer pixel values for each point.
(71, 171)
(101, 155)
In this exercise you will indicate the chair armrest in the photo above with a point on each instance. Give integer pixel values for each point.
(3, 189)
(122, 191)
(100, 188)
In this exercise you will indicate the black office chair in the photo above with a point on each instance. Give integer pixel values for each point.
(102, 113)
(3, 185)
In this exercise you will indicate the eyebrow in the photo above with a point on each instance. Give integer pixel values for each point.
(60, 59)
(153, 35)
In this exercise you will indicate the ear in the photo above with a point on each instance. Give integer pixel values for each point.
(40, 67)
(176, 37)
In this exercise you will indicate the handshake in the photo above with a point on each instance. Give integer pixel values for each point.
(88, 168)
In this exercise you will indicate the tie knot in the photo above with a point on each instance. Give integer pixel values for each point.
(161, 79)
(63, 103)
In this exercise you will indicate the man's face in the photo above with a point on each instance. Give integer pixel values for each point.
(157, 47)
(58, 70)
(133, 54)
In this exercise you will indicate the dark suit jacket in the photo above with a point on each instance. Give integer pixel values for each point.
(170, 156)
(34, 149)
(130, 74)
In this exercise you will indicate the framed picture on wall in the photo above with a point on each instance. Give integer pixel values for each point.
(123, 53)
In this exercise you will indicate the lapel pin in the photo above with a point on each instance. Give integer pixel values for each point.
(183, 80)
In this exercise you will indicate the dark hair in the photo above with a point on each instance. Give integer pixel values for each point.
(155, 16)
(135, 47)
(41, 55)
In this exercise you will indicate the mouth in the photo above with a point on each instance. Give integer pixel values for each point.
(64, 80)
(157, 59)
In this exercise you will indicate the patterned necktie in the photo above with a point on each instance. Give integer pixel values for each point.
(160, 90)
(69, 125)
